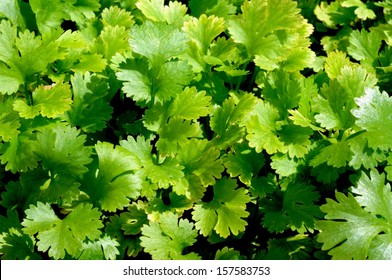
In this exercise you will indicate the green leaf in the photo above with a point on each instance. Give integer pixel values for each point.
(57, 236)
(134, 219)
(8, 35)
(261, 128)
(155, 10)
(152, 9)
(202, 166)
(374, 116)
(14, 244)
(362, 11)
(364, 45)
(9, 121)
(265, 26)
(191, 104)
(293, 248)
(284, 165)
(90, 108)
(157, 85)
(49, 101)
(336, 102)
(297, 210)
(112, 183)
(19, 154)
(225, 214)
(10, 79)
(337, 155)
(158, 42)
(61, 150)
(112, 40)
(228, 119)
(244, 162)
(353, 232)
(201, 32)
(51, 15)
(373, 195)
(175, 133)
(167, 238)
(11, 9)
(162, 174)
(228, 254)
(333, 14)
(103, 249)
(115, 16)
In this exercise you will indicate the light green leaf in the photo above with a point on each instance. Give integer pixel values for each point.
(175, 133)
(261, 129)
(157, 41)
(264, 26)
(202, 166)
(352, 232)
(115, 16)
(49, 101)
(103, 249)
(90, 108)
(167, 238)
(374, 116)
(191, 104)
(225, 214)
(57, 236)
(9, 121)
(61, 150)
(362, 11)
(112, 183)
(364, 45)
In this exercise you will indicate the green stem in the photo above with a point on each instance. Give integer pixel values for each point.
(240, 78)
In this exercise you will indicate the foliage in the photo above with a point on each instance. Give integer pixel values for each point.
(224, 129)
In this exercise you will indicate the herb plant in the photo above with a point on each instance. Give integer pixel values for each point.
(214, 129)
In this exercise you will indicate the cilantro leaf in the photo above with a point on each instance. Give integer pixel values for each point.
(336, 102)
(201, 32)
(50, 15)
(155, 10)
(353, 232)
(102, 249)
(175, 133)
(261, 128)
(167, 238)
(202, 166)
(162, 173)
(225, 213)
(115, 16)
(14, 244)
(374, 116)
(362, 11)
(49, 101)
(134, 219)
(244, 162)
(154, 85)
(90, 108)
(112, 40)
(111, 184)
(264, 26)
(198, 104)
(19, 154)
(364, 46)
(227, 121)
(61, 150)
(296, 210)
(60, 236)
(158, 42)
(9, 121)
